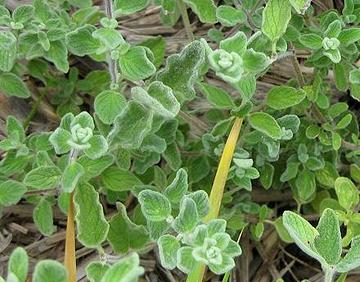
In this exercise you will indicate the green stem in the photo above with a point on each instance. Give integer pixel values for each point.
(34, 110)
(186, 21)
(112, 64)
(297, 69)
(329, 275)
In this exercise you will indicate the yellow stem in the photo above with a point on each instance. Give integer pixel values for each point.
(222, 172)
(217, 190)
(70, 257)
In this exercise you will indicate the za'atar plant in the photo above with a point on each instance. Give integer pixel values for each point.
(190, 143)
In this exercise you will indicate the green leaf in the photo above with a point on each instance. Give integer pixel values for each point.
(302, 232)
(71, 176)
(216, 96)
(201, 200)
(334, 55)
(267, 175)
(281, 231)
(12, 85)
(136, 64)
(60, 140)
(349, 36)
(157, 46)
(23, 13)
(334, 29)
(247, 87)
(172, 156)
(84, 119)
(154, 205)
(154, 144)
(266, 124)
(305, 184)
(344, 122)
(341, 75)
(354, 76)
(159, 98)
(157, 228)
(49, 270)
(170, 12)
(93, 168)
(276, 17)
(19, 264)
(204, 9)
(117, 179)
(8, 50)
(336, 140)
(15, 129)
(44, 177)
(11, 192)
(355, 172)
(229, 16)
(90, 220)
(168, 247)
(187, 218)
(178, 187)
(12, 163)
(328, 243)
(236, 43)
(182, 70)
(109, 37)
(81, 3)
(312, 41)
(255, 62)
(282, 97)
(108, 104)
(347, 193)
(42, 10)
(80, 42)
(131, 126)
(185, 260)
(133, 237)
(351, 259)
(58, 55)
(126, 7)
(98, 147)
(125, 270)
(226, 265)
(43, 217)
(327, 175)
(300, 6)
(95, 271)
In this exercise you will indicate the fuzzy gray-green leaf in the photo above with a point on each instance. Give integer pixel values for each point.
(91, 223)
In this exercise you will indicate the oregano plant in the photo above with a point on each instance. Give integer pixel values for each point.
(179, 140)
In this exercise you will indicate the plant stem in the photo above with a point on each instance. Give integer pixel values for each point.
(112, 64)
(296, 65)
(218, 187)
(329, 275)
(34, 110)
(186, 21)
(222, 172)
(70, 257)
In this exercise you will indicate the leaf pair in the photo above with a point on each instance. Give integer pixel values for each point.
(45, 270)
(323, 243)
(77, 133)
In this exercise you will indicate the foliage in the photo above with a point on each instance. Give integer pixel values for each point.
(146, 134)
